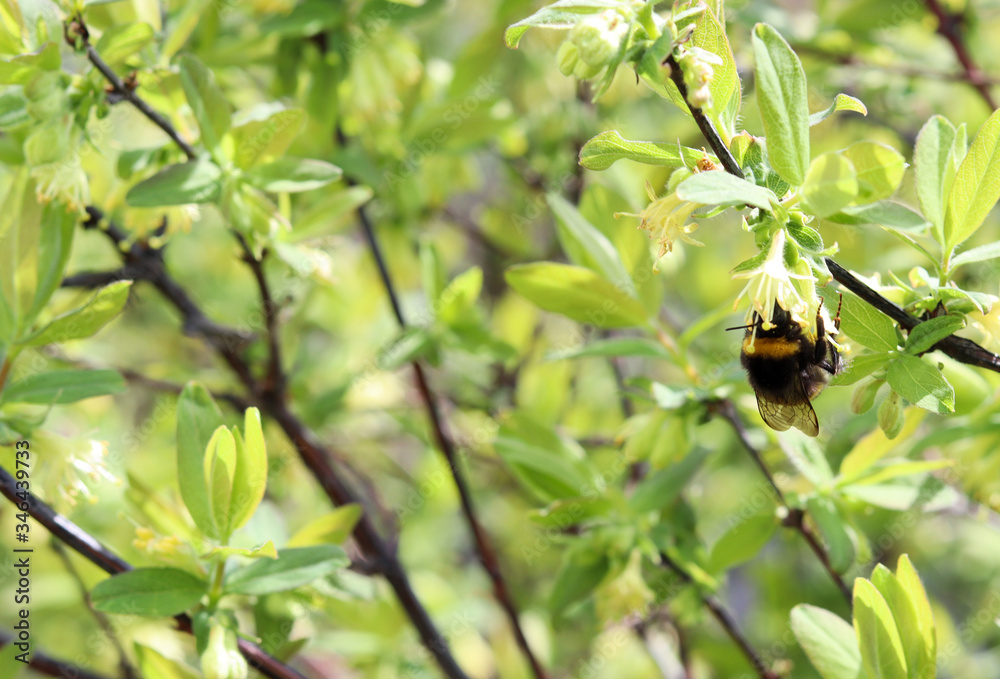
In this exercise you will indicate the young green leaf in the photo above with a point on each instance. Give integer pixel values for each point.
(921, 384)
(198, 417)
(265, 550)
(153, 665)
(722, 188)
(977, 185)
(155, 592)
(709, 34)
(84, 321)
(456, 304)
(120, 41)
(834, 530)
(828, 641)
(220, 470)
(293, 568)
(830, 184)
(333, 527)
(879, 169)
(197, 181)
(250, 477)
(931, 158)
(882, 652)
(742, 542)
(660, 489)
(210, 107)
(884, 213)
(264, 134)
(982, 253)
(842, 102)
(932, 331)
(607, 148)
(905, 615)
(587, 246)
(63, 386)
(577, 293)
(55, 242)
(616, 346)
(783, 101)
(582, 570)
(866, 326)
(860, 367)
(292, 175)
(907, 576)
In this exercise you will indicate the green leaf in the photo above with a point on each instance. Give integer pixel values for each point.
(456, 303)
(292, 175)
(881, 648)
(220, 470)
(121, 41)
(264, 134)
(21, 69)
(874, 446)
(10, 666)
(582, 570)
(293, 568)
(721, 188)
(63, 386)
(828, 641)
(982, 253)
(607, 148)
(333, 527)
(660, 489)
(921, 384)
(265, 550)
(210, 107)
(842, 102)
(197, 419)
(807, 456)
(905, 616)
(830, 184)
(197, 181)
(932, 331)
(859, 367)
(931, 158)
(976, 186)
(925, 636)
(617, 346)
(744, 539)
(866, 326)
(883, 213)
(550, 465)
(250, 478)
(154, 592)
(892, 468)
(562, 14)
(783, 100)
(587, 246)
(308, 18)
(577, 293)
(834, 530)
(55, 242)
(153, 665)
(879, 169)
(709, 34)
(84, 321)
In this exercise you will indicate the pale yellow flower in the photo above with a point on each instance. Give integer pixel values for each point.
(666, 220)
(988, 324)
(64, 181)
(771, 283)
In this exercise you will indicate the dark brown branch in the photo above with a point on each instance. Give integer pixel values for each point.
(89, 547)
(725, 620)
(795, 517)
(51, 667)
(959, 348)
(228, 343)
(76, 29)
(276, 379)
(950, 29)
(484, 548)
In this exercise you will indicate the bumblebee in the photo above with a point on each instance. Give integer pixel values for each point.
(787, 367)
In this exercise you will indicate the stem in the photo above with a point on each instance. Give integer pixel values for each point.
(51, 667)
(725, 620)
(215, 591)
(948, 28)
(5, 371)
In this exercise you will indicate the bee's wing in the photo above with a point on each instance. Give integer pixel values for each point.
(790, 409)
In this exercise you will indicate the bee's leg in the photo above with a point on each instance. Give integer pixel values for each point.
(840, 304)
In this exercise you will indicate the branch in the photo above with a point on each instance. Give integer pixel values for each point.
(276, 378)
(948, 28)
(227, 342)
(44, 664)
(76, 29)
(725, 619)
(795, 517)
(959, 348)
(86, 545)
(484, 548)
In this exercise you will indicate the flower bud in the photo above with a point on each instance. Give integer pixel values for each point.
(864, 395)
(567, 58)
(221, 658)
(890, 415)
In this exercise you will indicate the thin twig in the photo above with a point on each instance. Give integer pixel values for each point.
(228, 344)
(484, 548)
(128, 672)
(795, 518)
(76, 29)
(949, 28)
(725, 620)
(276, 379)
(51, 667)
(89, 547)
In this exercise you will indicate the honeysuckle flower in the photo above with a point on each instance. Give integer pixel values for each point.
(988, 323)
(222, 658)
(666, 220)
(772, 283)
(71, 468)
(64, 181)
(697, 66)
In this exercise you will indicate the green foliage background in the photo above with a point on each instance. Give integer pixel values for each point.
(451, 142)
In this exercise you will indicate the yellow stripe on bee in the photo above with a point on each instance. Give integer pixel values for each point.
(771, 347)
